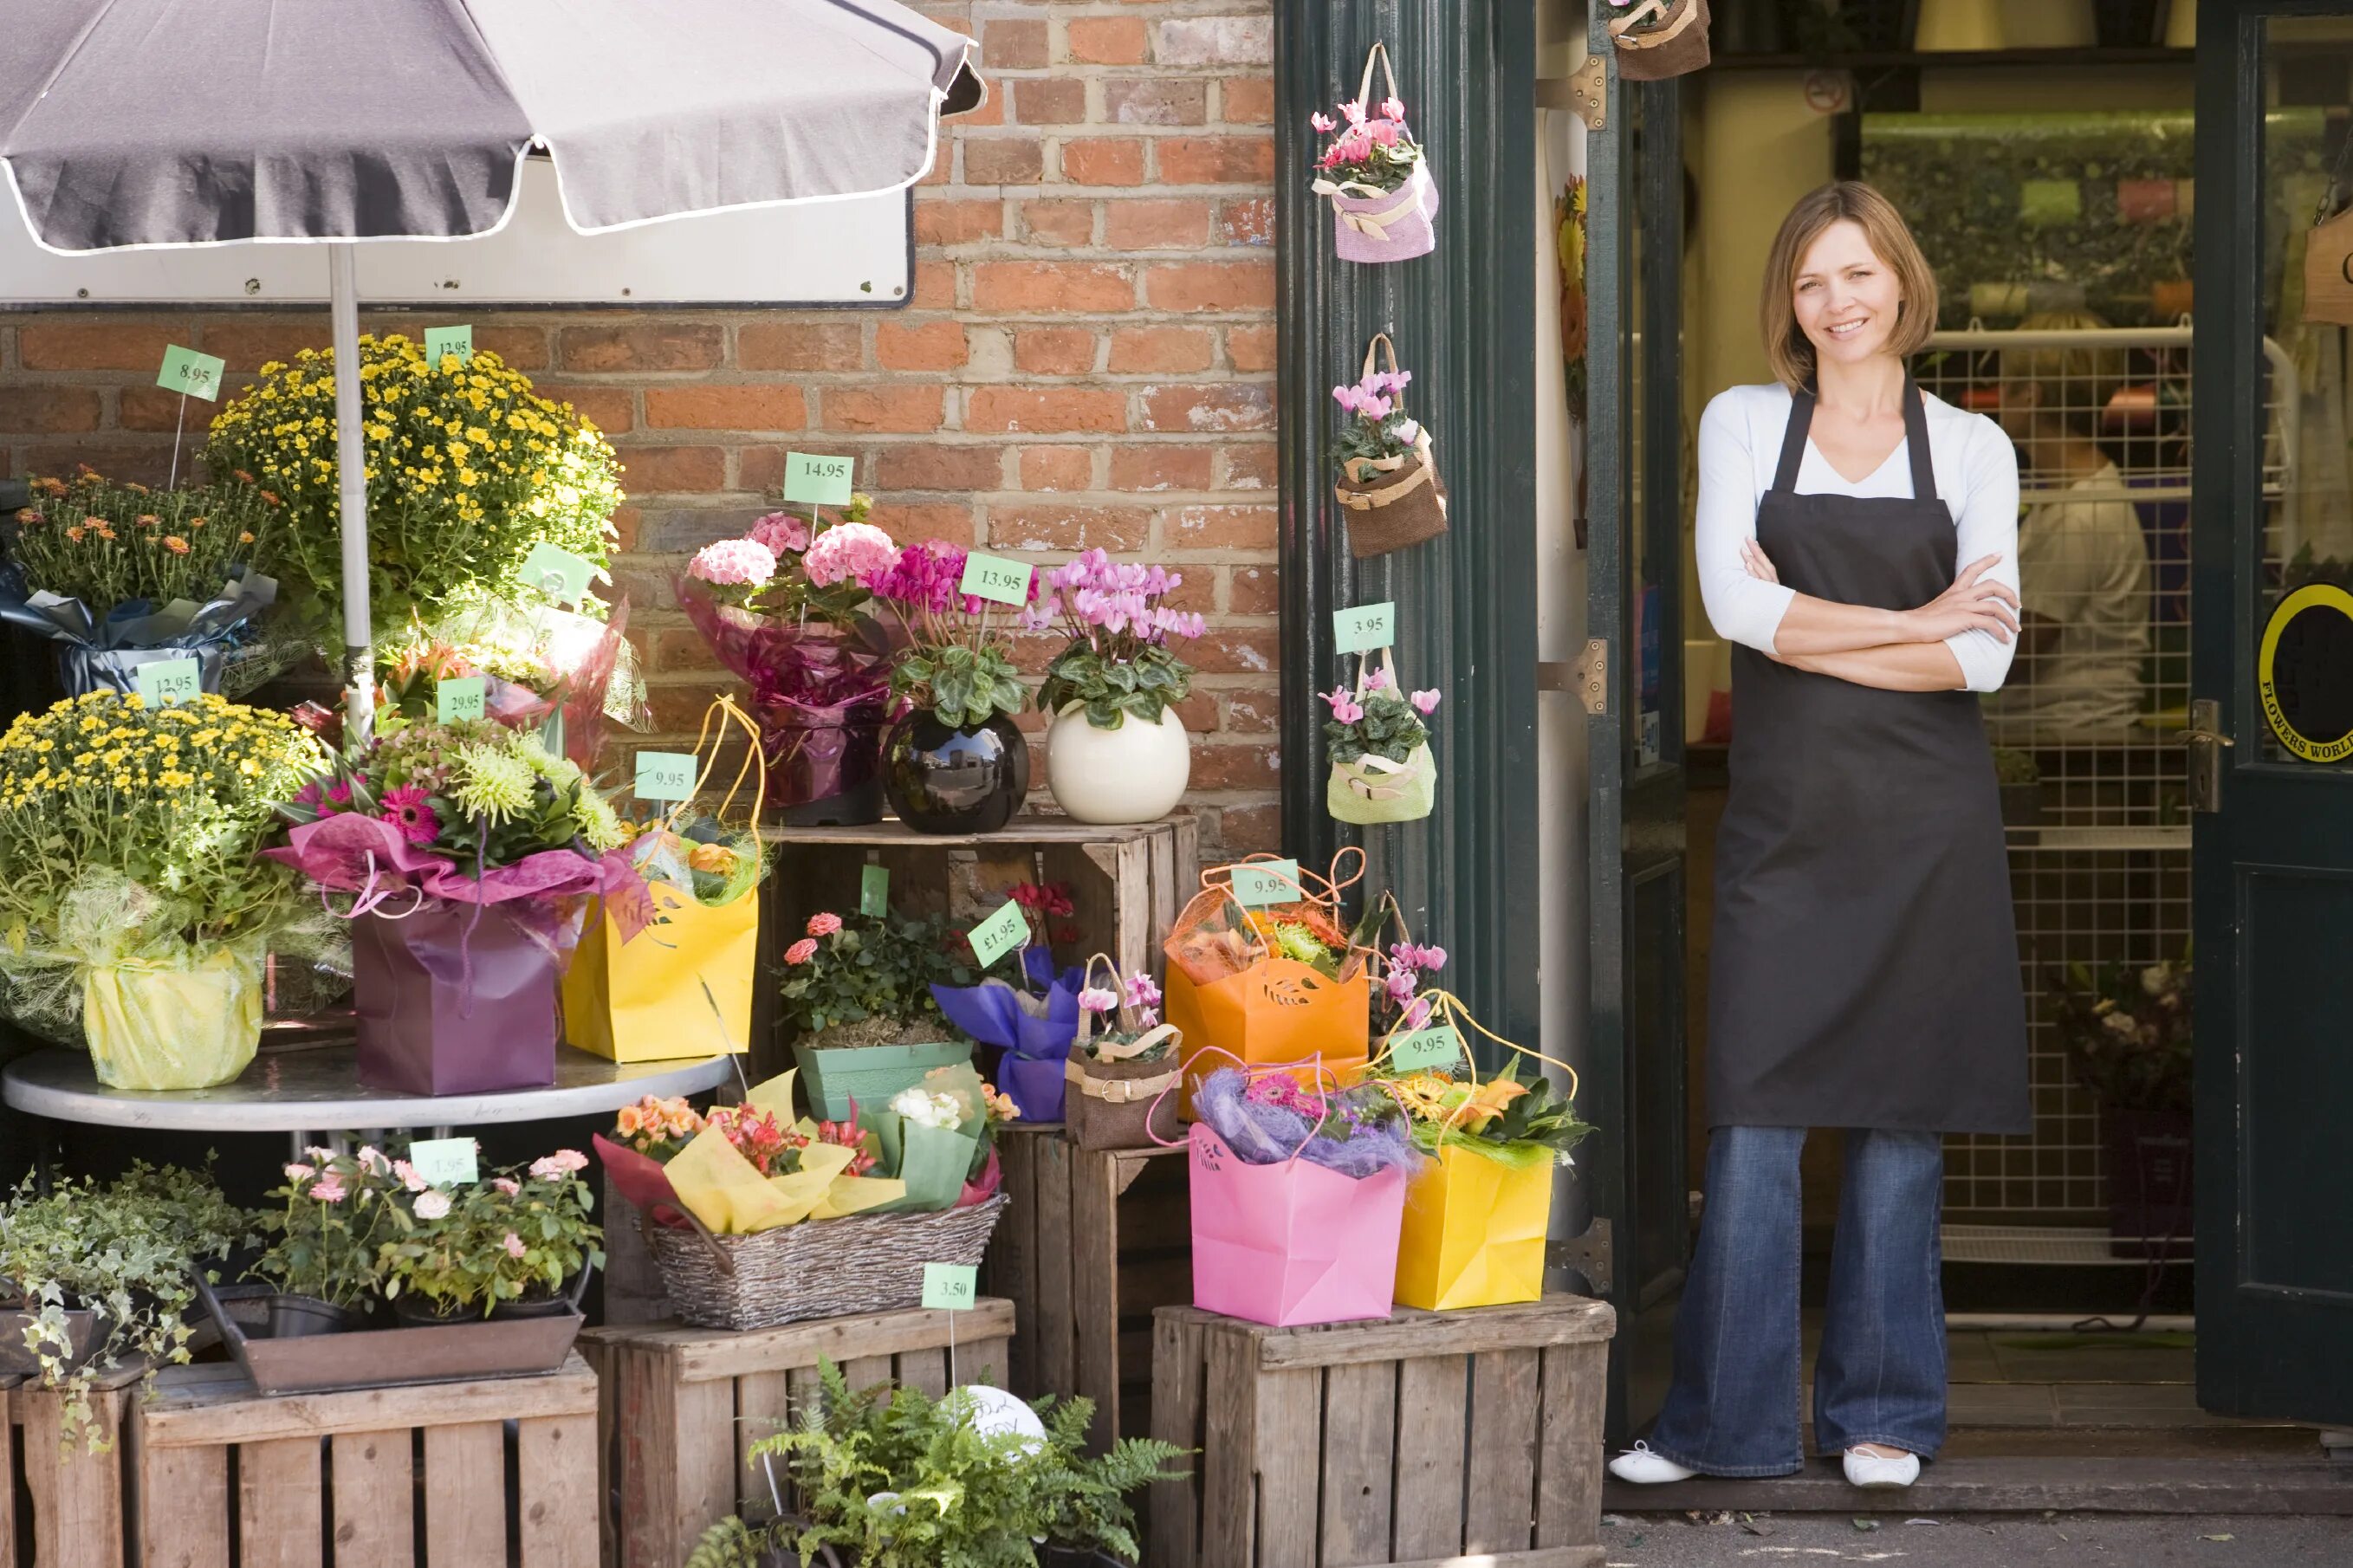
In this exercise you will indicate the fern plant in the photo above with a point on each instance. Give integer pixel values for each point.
(893, 1478)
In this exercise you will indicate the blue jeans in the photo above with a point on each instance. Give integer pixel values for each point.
(1733, 1407)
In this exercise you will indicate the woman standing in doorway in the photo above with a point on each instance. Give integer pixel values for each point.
(1858, 541)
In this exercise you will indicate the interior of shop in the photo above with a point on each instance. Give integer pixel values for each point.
(2043, 156)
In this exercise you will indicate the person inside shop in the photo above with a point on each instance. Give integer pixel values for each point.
(1858, 545)
(2083, 629)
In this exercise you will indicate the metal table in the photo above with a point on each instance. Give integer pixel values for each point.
(316, 1090)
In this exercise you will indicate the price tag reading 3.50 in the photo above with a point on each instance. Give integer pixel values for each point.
(459, 698)
(1427, 1051)
(996, 578)
(950, 1287)
(166, 680)
(999, 934)
(1363, 628)
(1262, 882)
(818, 481)
(185, 370)
(441, 341)
(874, 891)
(665, 775)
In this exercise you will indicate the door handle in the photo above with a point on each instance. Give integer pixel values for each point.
(2206, 742)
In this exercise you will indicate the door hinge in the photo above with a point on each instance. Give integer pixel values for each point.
(1589, 1255)
(2207, 742)
(1588, 92)
(1588, 676)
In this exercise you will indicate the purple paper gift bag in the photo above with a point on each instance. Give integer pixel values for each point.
(456, 998)
(1033, 1044)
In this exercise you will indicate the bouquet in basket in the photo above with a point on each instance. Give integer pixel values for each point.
(784, 608)
(553, 670)
(465, 848)
(122, 575)
(134, 918)
(1476, 1216)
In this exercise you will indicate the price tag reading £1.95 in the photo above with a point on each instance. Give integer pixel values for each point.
(445, 1162)
(999, 934)
(950, 1287)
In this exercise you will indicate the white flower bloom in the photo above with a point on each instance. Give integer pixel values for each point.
(432, 1204)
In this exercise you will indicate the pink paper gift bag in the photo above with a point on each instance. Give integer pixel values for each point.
(1291, 1244)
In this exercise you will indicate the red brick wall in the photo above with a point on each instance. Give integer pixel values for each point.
(1088, 360)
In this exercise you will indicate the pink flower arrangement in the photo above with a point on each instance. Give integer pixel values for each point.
(802, 951)
(733, 564)
(790, 565)
(781, 534)
(846, 552)
(1371, 149)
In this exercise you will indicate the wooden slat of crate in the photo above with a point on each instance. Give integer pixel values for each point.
(345, 1466)
(685, 1405)
(76, 1497)
(1425, 1440)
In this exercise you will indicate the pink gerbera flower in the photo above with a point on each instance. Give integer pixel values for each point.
(406, 809)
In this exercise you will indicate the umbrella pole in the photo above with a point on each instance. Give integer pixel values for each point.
(351, 462)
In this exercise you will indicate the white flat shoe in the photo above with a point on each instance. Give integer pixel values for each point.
(1644, 1468)
(1869, 1470)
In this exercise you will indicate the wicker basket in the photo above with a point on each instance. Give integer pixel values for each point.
(822, 1269)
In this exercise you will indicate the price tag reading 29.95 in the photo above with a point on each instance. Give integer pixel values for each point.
(818, 481)
(996, 578)
(1363, 628)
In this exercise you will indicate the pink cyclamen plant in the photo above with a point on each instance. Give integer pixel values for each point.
(1117, 618)
(1371, 149)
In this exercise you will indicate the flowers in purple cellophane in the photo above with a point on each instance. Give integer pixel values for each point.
(1119, 623)
(1266, 1120)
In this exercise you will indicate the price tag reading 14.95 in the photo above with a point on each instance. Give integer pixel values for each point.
(818, 481)
(1365, 627)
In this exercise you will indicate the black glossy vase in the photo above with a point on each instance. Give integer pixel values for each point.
(941, 779)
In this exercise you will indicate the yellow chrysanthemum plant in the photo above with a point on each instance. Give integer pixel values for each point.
(135, 917)
(468, 469)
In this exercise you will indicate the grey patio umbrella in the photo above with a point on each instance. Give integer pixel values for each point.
(184, 122)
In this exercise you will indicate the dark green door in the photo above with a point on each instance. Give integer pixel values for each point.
(2273, 855)
(1634, 1163)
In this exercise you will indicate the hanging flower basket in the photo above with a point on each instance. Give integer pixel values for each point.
(1388, 486)
(1383, 199)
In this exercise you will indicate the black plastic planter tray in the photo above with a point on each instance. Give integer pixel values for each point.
(388, 1358)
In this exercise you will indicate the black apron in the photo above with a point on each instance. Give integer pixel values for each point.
(1864, 968)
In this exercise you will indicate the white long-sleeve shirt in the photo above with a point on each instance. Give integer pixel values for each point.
(1739, 446)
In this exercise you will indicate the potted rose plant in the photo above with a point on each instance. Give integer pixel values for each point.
(134, 919)
(785, 608)
(517, 1245)
(457, 843)
(955, 762)
(1129, 761)
(338, 1212)
(2128, 1031)
(857, 998)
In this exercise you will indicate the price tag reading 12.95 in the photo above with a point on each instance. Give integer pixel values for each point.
(665, 775)
(950, 1287)
(996, 578)
(1363, 628)
(441, 341)
(818, 481)
(166, 680)
(999, 934)
(1427, 1051)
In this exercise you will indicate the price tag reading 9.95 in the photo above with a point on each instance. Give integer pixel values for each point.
(818, 481)
(665, 775)
(1365, 627)
(1435, 1050)
(993, 577)
(1260, 882)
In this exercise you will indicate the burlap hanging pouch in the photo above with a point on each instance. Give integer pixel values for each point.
(1391, 503)
(1675, 46)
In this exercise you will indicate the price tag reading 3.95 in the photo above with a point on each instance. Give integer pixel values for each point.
(1365, 627)
(818, 481)
(166, 680)
(995, 578)
(999, 934)
(665, 775)
(950, 1287)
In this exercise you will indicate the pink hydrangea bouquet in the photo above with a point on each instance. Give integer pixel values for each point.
(797, 567)
(1117, 618)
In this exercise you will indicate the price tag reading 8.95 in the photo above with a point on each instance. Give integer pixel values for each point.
(1365, 627)
(993, 577)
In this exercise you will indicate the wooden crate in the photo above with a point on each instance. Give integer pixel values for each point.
(77, 1500)
(1426, 1439)
(1091, 1244)
(432, 1476)
(1127, 884)
(682, 1407)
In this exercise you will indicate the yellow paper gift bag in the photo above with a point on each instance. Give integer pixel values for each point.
(1474, 1231)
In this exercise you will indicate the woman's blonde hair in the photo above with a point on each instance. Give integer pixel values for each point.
(1786, 345)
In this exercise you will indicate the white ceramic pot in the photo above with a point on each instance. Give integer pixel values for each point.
(1136, 773)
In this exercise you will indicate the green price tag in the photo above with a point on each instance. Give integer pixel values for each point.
(1260, 882)
(445, 1162)
(167, 680)
(996, 578)
(999, 934)
(874, 891)
(665, 775)
(185, 370)
(559, 574)
(439, 341)
(819, 482)
(951, 1286)
(1427, 1051)
(1365, 626)
(459, 698)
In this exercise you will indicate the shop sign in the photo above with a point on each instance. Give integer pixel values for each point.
(2305, 673)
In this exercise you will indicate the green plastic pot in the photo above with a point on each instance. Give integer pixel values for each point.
(833, 1076)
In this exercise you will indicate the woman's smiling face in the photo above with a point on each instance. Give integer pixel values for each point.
(1846, 299)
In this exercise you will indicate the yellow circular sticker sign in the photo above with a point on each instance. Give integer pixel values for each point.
(2305, 673)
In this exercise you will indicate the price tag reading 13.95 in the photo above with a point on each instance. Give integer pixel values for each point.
(996, 578)
(1365, 627)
